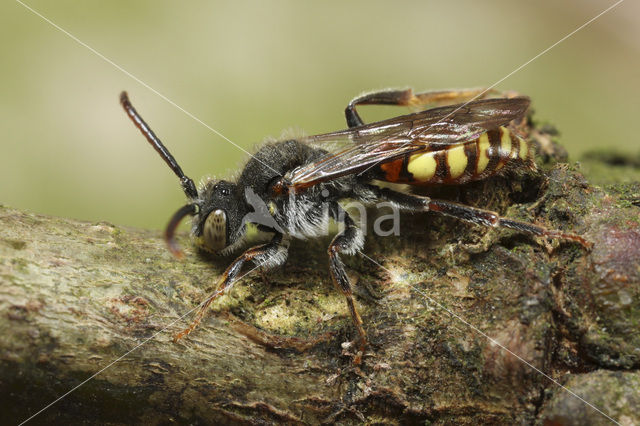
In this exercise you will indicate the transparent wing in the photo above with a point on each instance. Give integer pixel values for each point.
(358, 149)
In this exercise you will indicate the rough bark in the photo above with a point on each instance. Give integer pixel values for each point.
(75, 296)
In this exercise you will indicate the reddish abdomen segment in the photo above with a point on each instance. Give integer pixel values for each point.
(460, 163)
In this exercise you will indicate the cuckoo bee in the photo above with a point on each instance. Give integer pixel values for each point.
(461, 139)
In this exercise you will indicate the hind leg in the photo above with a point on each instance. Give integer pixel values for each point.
(475, 215)
(408, 98)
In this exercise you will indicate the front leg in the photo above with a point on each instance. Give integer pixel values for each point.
(267, 256)
(349, 241)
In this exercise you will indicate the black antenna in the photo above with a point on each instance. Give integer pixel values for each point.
(170, 231)
(188, 186)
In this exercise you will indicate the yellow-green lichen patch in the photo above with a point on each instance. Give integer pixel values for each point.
(14, 244)
(295, 311)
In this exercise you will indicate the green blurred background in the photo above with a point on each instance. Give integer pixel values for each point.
(253, 69)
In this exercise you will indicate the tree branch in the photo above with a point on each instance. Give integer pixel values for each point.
(76, 296)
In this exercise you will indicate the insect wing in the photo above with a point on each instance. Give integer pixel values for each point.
(358, 149)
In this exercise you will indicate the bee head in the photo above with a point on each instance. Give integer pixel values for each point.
(217, 213)
(218, 224)
(218, 208)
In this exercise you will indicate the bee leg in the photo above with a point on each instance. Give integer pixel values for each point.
(474, 215)
(268, 255)
(489, 218)
(408, 98)
(348, 241)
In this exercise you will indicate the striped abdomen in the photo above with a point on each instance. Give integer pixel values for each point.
(460, 163)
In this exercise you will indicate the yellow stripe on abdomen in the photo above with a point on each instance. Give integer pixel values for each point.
(524, 149)
(422, 166)
(505, 142)
(457, 161)
(483, 153)
(505, 147)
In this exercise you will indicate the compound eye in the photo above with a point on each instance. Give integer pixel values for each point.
(215, 230)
